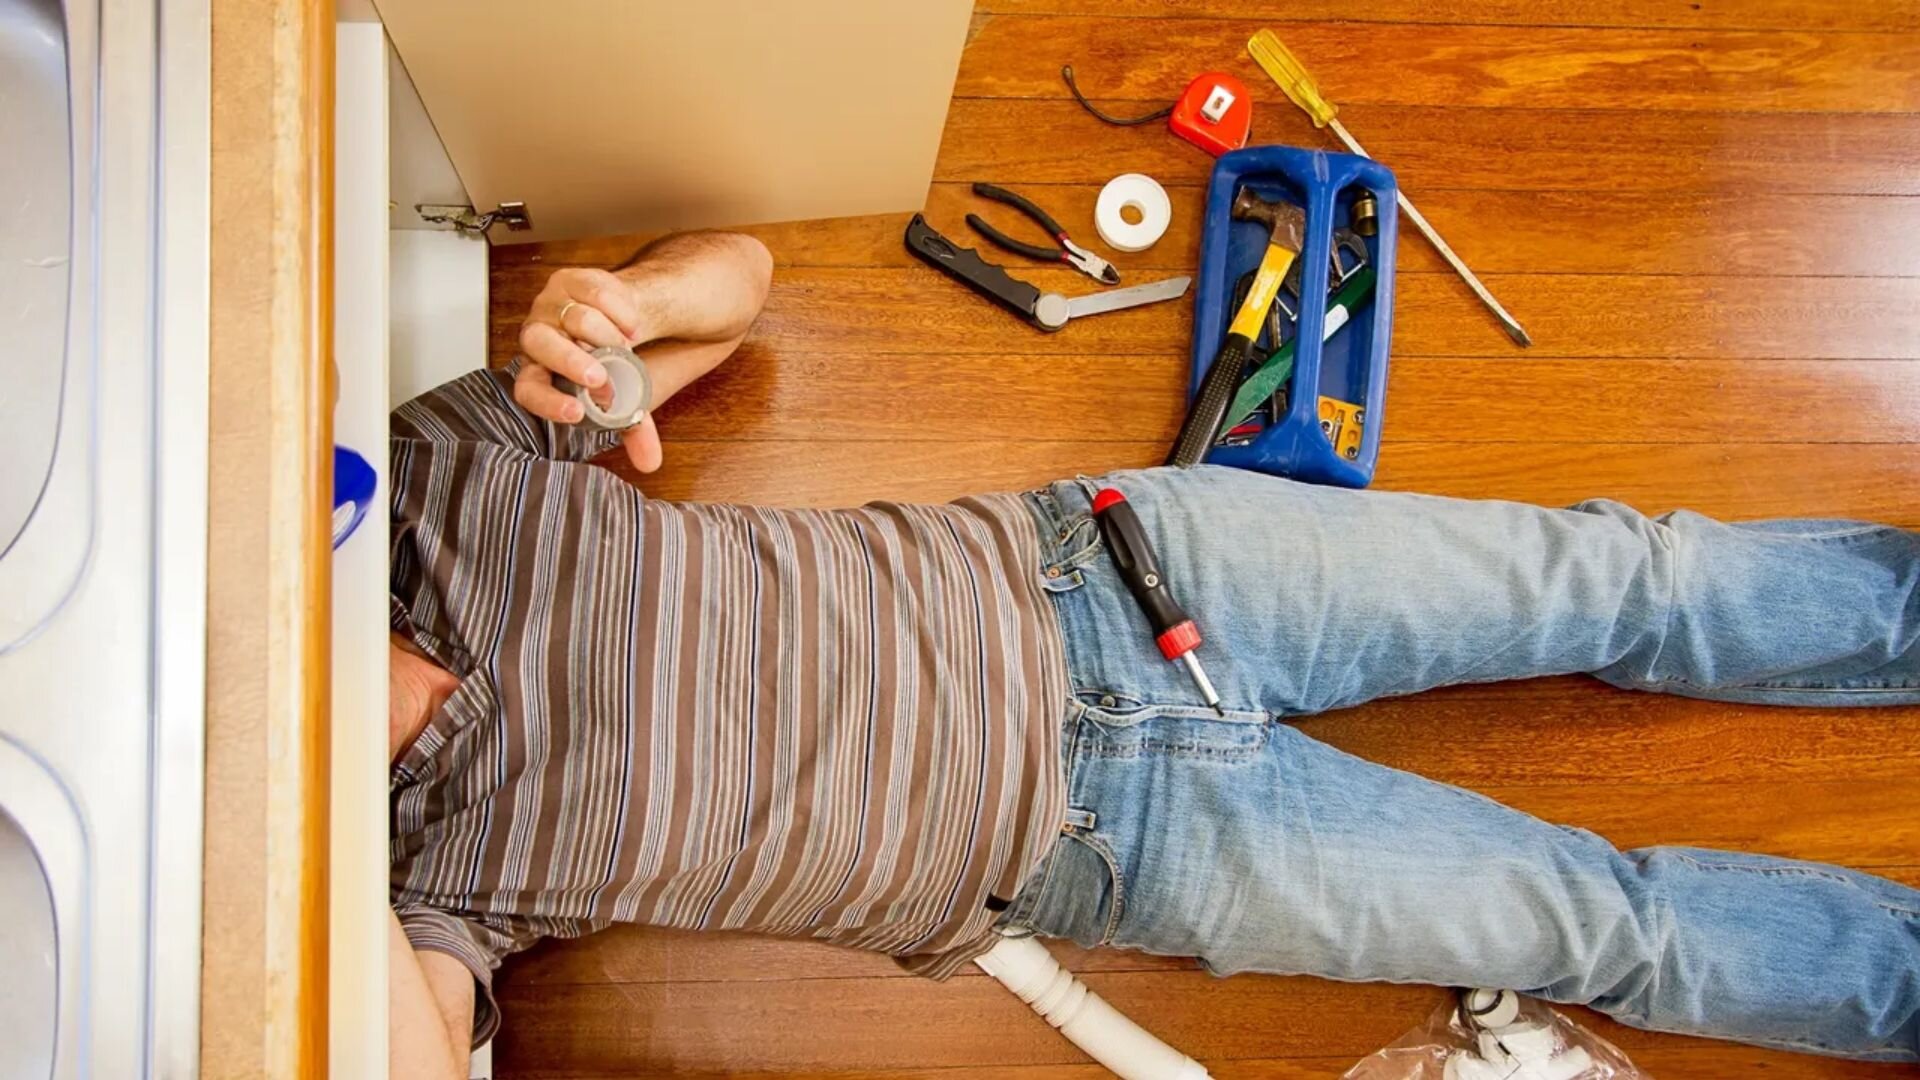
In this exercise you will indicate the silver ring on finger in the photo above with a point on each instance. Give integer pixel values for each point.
(564, 308)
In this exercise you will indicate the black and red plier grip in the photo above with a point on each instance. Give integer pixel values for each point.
(1066, 250)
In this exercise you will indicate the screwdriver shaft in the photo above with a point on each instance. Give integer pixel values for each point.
(1507, 322)
(1207, 693)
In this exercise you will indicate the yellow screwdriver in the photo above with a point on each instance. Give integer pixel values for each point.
(1275, 60)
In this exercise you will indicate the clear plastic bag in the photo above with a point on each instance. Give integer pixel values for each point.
(1497, 1035)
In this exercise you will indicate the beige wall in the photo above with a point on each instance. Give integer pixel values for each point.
(653, 114)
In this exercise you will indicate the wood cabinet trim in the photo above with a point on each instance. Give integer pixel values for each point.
(263, 966)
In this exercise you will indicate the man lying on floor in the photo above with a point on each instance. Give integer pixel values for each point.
(903, 728)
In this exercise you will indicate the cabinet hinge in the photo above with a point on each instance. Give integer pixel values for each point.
(467, 220)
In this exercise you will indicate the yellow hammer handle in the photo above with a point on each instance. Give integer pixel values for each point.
(1274, 265)
(1275, 59)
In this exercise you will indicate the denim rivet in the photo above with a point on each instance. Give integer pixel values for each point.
(1108, 701)
(1053, 571)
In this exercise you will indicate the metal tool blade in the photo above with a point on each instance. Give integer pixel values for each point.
(1507, 322)
(1151, 292)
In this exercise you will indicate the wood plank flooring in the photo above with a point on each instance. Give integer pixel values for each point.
(1707, 213)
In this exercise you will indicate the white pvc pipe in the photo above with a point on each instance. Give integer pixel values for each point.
(1024, 966)
(631, 390)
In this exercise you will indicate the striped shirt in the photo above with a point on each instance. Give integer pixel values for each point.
(835, 723)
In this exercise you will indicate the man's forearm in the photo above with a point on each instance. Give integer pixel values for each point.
(701, 286)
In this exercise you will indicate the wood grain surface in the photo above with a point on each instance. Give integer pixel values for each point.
(1708, 214)
(1493, 66)
(849, 311)
(263, 991)
(1847, 15)
(1016, 141)
(1431, 399)
(1589, 232)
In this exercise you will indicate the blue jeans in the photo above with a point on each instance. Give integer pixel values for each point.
(1246, 844)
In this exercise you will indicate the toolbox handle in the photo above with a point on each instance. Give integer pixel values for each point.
(1303, 405)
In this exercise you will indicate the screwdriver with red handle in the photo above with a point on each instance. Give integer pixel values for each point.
(1174, 631)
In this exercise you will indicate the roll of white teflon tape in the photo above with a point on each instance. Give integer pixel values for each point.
(1147, 198)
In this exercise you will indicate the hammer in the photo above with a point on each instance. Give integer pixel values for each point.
(1284, 222)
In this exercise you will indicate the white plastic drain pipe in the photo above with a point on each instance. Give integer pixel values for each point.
(1024, 966)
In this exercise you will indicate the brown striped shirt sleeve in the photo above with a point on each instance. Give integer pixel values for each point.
(478, 407)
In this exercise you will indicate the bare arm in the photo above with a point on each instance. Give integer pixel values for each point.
(429, 1010)
(689, 298)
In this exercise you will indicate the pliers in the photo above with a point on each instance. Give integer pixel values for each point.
(1068, 252)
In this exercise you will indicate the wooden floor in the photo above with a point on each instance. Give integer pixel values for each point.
(1708, 215)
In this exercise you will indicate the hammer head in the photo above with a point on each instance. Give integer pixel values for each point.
(1284, 221)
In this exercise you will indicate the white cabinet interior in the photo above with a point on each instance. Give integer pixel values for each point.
(357, 770)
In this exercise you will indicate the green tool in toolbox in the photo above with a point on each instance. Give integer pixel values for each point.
(1272, 374)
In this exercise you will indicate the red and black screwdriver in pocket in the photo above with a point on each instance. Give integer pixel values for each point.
(1176, 634)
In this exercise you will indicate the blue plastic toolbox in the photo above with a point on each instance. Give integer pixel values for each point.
(1350, 368)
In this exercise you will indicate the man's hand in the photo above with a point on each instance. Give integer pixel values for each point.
(690, 298)
(597, 308)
